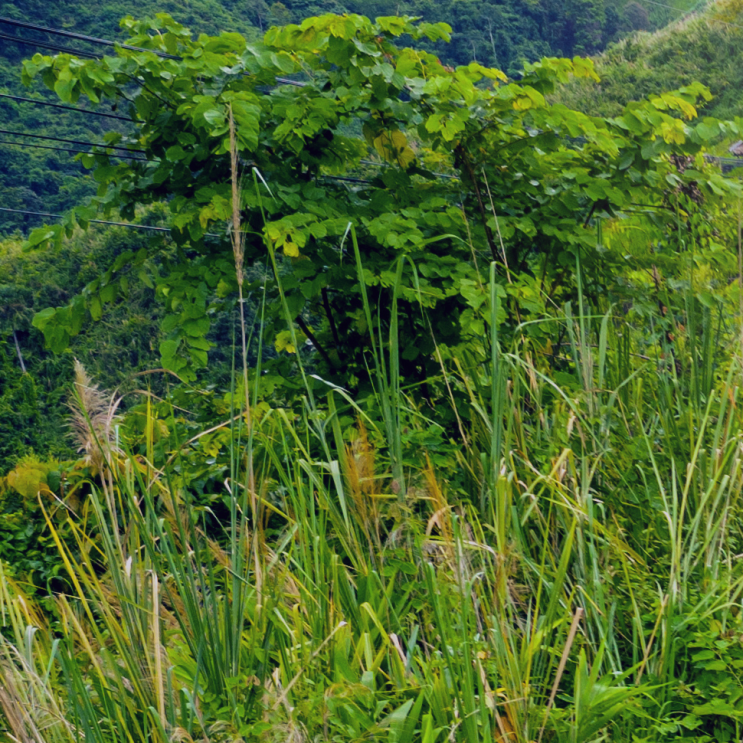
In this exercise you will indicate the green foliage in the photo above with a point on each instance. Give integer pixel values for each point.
(33, 179)
(310, 597)
(499, 501)
(525, 183)
(27, 549)
(501, 34)
(32, 403)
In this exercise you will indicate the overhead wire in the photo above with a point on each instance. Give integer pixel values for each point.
(80, 37)
(692, 11)
(100, 221)
(95, 40)
(108, 42)
(438, 175)
(71, 141)
(734, 162)
(66, 108)
(50, 46)
(35, 145)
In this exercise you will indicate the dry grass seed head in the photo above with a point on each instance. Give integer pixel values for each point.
(93, 420)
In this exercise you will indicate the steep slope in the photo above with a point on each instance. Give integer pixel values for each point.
(707, 46)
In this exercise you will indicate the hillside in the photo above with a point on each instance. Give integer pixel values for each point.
(38, 175)
(705, 47)
(405, 405)
(500, 33)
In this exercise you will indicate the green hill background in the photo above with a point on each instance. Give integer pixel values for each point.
(503, 34)
(706, 46)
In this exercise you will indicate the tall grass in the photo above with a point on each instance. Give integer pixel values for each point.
(534, 579)
(538, 582)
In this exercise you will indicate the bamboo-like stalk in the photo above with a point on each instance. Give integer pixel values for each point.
(238, 251)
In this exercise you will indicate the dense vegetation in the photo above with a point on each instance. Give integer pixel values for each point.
(704, 47)
(446, 442)
(502, 34)
(34, 384)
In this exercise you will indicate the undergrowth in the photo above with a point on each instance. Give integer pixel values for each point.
(562, 564)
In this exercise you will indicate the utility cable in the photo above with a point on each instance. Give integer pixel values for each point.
(70, 141)
(80, 37)
(287, 81)
(106, 42)
(78, 152)
(66, 108)
(99, 221)
(347, 179)
(732, 161)
(48, 45)
(696, 10)
(438, 175)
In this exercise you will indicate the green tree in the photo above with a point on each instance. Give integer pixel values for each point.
(522, 184)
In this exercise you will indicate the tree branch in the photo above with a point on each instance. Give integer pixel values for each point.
(331, 319)
(306, 330)
(18, 351)
(481, 205)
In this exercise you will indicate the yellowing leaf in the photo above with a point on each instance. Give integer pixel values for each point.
(28, 479)
(206, 215)
(291, 249)
(673, 131)
(687, 109)
(283, 342)
(393, 147)
(584, 68)
(668, 100)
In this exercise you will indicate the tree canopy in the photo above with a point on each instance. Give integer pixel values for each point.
(378, 170)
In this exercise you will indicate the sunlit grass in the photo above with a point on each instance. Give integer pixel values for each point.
(352, 595)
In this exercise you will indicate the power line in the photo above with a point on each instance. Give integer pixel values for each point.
(95, 40)
(52, 47)
(66, 108)
(345, 178)
(34, 145)
(731, 162)
(671, 7)
(105, 42)
(437, 175)
(100, 221)
(81, 37)
(70, 141)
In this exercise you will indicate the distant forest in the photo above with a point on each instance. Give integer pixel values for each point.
(503, 34)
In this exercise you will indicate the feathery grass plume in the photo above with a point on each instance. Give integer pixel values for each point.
(93, 421)
(362, 484)
(237, 236)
